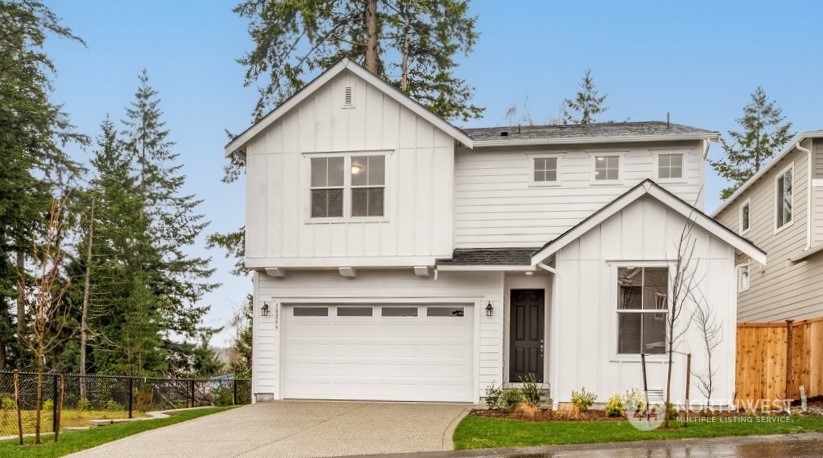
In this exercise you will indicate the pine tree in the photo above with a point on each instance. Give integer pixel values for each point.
(586, 105)
(175, 279)
(763, 132)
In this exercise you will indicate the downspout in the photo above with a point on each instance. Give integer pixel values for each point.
(809, 195)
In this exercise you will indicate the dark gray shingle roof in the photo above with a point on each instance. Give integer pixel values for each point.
(489, 257)
(608, 129)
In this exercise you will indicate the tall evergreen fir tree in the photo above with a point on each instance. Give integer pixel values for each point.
(764, 131)
(32, 132)
(586, 104)
(175, 279)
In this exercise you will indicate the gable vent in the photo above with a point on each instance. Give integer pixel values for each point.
(348, 96)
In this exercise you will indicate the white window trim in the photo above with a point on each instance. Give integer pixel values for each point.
(612, 305)
(620, 168)
(737, 271)
(774, 200)
(532, 157)
(305, 188)
(683, 165)
(746, 203)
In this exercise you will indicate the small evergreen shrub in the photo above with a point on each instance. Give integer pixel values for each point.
(509, 399)
(112, 406)
(583, 399)
(48, 406)
(83, 405)
(616, 406)
(7, 402)
(635, 400)
(493, 397)
(530, 389)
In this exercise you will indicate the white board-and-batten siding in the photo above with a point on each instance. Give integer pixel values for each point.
(584, 322)
(497, 206)
(783, 289)
(378, 288)
(419, 176)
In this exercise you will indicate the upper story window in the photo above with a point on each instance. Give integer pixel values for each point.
(606, 167)
(784, 197)
(344, 186)
(742, 278)
(545, 170)
(642, 306)
(745, 216)
(670, 166)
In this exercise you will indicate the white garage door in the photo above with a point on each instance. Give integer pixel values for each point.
(409, 352)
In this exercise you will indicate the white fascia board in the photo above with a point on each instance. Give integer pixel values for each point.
(485, 268)
(241, 140)
(388, 262)
(751, 181)
(654, 190)
(592, 140)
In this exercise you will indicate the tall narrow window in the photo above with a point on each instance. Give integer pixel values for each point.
(745, 212)
(784, 199)
(606, 168)
(670, 166)
(327, 181)
(642, 295)
(367, 182)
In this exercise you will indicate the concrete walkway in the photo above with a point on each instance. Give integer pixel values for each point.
(299, 429)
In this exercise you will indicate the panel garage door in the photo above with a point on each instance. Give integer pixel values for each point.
(409, 352)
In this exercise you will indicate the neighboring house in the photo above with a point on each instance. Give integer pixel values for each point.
(397, 257)
(780, 209)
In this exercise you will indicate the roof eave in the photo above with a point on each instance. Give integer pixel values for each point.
(712, 136)
(241, 140)
(751, 181)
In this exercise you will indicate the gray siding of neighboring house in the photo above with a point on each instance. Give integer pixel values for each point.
(817, 193)
(781, 290)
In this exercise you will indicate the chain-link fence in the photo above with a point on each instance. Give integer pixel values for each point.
(103, 397)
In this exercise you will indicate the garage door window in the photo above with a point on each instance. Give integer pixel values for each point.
(445, 311)
(311, 311)
(354, 311)
(399, 311)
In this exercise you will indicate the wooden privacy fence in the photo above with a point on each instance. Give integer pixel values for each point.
(775, 359)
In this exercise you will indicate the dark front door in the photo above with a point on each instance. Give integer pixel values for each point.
(527, 314)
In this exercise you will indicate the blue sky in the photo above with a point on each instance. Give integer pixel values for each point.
(697, 60)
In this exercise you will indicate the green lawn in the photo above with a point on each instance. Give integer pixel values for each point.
(74, 441)
(481, 432)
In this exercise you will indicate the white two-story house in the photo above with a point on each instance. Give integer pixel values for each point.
(397, 257)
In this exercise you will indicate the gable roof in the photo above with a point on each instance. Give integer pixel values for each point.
(751, 181)
(650, 188)
(608, 132)
(239, 142)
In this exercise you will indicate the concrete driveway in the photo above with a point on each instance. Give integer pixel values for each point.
(299, 429)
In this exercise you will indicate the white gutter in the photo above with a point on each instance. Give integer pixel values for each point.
(508, 141)
(809, 195)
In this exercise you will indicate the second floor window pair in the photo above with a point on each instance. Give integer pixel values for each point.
(348, 186)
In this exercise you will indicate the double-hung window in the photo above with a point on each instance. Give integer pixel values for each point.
(348, 186)
(642, 308)
(784, 198)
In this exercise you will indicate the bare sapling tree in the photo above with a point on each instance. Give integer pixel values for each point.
(711, 332)
(45, 310)
(685, 284)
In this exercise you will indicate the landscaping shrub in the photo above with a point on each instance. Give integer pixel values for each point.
(112, 406)
(583, 399)
(143, 397)
(83, 405)
(567, 412)
(527, 410)
(509, 399)
(48, 405)
(616, 406)
(222, 397)
(7, 402)
(530, 389)
(493, 397)
(635, 400)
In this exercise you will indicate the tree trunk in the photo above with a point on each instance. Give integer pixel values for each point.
(371, 62)
(83, 319)
(21, 308)
(404, 65)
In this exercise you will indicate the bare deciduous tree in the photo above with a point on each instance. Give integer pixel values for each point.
(711, 331)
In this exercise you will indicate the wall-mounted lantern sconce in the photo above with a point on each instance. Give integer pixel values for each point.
(264, 310)
(489, 309)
